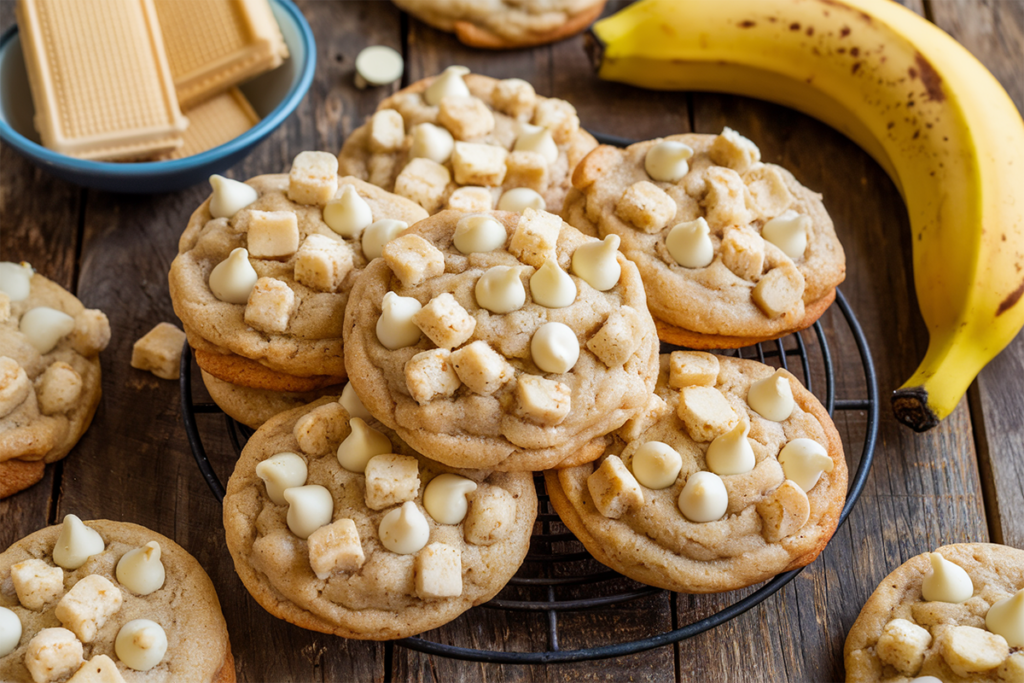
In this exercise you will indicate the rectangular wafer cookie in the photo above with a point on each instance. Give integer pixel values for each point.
(99, 77)
(217, 120)
(215, 44)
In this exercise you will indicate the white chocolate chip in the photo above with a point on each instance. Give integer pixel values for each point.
(597, 264)
(424, 182)
(772, 397)
(690, 244)
(479, 234)
(688, 368)
(309, 508)
(232, 279)
(656, 465)
(731, 453)
(481, 368)
(471, 198)
(535, 239)
(520, 199)
(387, 131)
(140, 570)
(445, 322)
(380, 233)
(10, 631)
(646, 206)
(539, 140)
(551, 286)
(705, 413)
(555, 348)
(273, 234)
(334, 548)
(789, 233)
(36, 583)
(438, 572)
(230, 196)
(667, 161)
(378, 65)
(322, 263)
(15, 280)
(703, 498)
(159, 351)
(969, 650)
(141, 644)
(391, 479)
(349, 214)
(362, 444)
(14, 385)
(614, 489)
(58, 389)
(500, 290)
(479, 164)
(803, 461)
(76, 543)
(352, 404)
(946, 582)
(413, 259)
(395, 328)
(431, 142)
(1006, 618)
(492, 514)
(99, 669)
(52, 654)
(543, 400)
(783, 512)
(448, 84)
(429, 375)
(44, 327)
(281, 472)
(466, 117)
(87, 606)
(903, 645)
(734, 151)
(313, 179)
(445, 498)
(404, 530)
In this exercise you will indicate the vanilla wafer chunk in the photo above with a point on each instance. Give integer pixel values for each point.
(100, 79)
(215, 44)
(218, 120)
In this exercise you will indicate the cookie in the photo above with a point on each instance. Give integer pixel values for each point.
(955, 615)
(704, 493)
(49, 373)
(470, 142)
(336, 525)
(732, 251)
(253, 407)
(501, 341)
(505, 24)
(78, 592)
(264, 270)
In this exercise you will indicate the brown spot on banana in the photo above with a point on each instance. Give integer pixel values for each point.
(930, 78)
(1011, 300)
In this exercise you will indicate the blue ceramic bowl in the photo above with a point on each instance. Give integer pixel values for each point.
(274, 95)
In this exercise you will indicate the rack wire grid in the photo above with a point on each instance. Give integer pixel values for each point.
(557, 562)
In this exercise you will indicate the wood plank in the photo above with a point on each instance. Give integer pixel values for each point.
(994, 33)
(923, 490)
(134, 464)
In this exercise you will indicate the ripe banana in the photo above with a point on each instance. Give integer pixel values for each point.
(912, 97)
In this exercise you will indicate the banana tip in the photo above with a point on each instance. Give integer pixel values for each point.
(911, 407)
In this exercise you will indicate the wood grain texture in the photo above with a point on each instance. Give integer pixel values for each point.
(994, 32)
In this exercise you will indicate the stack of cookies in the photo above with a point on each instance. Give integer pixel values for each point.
(481, 346)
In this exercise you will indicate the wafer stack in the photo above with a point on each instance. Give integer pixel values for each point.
(128, 80)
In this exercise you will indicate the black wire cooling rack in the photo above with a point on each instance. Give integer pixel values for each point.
(553, 548)
(558, 575)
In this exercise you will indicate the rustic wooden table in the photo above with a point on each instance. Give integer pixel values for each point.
(959, 482)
